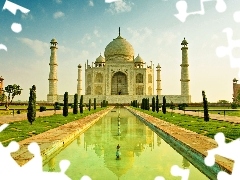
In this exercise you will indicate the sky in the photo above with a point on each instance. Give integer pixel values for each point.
(83, 28)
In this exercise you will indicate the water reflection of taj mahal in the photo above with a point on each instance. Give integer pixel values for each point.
(119, 72)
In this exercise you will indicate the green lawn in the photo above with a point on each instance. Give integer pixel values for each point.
(20, 130)
(198, 125)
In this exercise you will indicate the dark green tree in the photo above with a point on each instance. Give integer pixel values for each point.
(31, 114)
(65, 104)
(95, 104)
(75, 105)
(153, 104)
(205, 106)
(157, 104)
(89, 105)
(148, 104)
(81, 104)
(164, 105)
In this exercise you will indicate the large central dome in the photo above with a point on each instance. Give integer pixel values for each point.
(119, 49)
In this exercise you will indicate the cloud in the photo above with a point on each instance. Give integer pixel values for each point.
(37, 46)
(58, 14)
(27, 16)
(96, 33)
(120, 7)
(139, 35)
(83, 54)
(91, 3)
(86, 38)
(167, 38)
(58, 1)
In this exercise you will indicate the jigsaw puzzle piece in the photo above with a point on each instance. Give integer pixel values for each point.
(228, 150)
(110, 1)
(34, 166)
(12, 7)
(159, 178)
(7, 163)
(221, 6)
(177, 171)
(182, 11)
(4, 126)
(236, 16)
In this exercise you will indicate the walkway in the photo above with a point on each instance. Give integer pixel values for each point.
(20, 117)
(232, 119)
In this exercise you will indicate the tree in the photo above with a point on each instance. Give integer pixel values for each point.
(157, 104)
(153, 104)
(81, 104)
(205, 106)
(31, 114)
(89, 105)
(75, 105)
(12, 91)
(95, 104)
(223, 101)
(65, 104)
(164, 105)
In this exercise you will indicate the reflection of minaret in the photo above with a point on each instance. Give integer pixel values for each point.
(52, 96)
(158, 80)
(159, 140)
(184, 71)
(51, 165)
(79, 85)
(185, 163)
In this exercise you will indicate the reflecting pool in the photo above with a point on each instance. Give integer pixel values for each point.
(144, 155)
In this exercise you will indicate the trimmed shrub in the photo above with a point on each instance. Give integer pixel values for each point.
(234, 105)
(42, 108)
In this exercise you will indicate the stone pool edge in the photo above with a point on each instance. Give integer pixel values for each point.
(54, 140)
(191, 145)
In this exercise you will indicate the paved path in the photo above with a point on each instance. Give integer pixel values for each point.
(21, 117)
(233, 119)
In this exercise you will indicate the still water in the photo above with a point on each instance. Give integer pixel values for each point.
(144, 155)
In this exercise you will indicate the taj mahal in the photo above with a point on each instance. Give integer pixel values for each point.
(118, 76)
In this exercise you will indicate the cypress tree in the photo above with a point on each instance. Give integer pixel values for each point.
(148, 105)
(65, 104)
(75, 105)
(81, 104)
(101, 104)
(89, 105)
(31, 114)
(157, 104)
(164, 105)
(153, 104)
(142, 103)
(205, 106)
(95, 104)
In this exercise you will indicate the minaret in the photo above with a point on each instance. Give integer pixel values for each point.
(79, 80)
(158, 80)
(184, 71)
(52, 96)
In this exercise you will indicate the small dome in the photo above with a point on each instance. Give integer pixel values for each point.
(138, 59)
(79, 66)
(100, 59)
(184, 42)
(158, 66)
(53, 40)
(119, 46)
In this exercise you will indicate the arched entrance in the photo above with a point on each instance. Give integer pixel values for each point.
(119, 84)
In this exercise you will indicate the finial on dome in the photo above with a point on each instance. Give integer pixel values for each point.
(119, 31)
